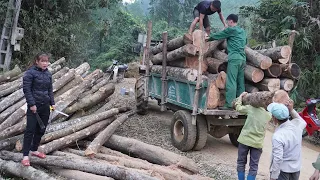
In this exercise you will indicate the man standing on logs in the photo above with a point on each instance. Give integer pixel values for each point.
(236, 42)
(201, 12)
(286, 142)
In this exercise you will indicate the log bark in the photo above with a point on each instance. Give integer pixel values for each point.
(10, 84)
(257, 59)
(253, 74)
(220, 55)
(151, 153)
(11, 99)
(196, 40)
(63, 80)
(212, 47)
(92, 99)
(14, 130)
(14, 117)
(21, 171)
(9, 143)
(96, 87)
(223, 45)
(74, 82)
(286, 84)
(269, 84)
(184, 51)
(11, 110)
(291, 71)
(215, 65)
(171, 45)
(60, 73)
(11, 89)
(213, 96)
(79, 124)
(220, 79)
(222, 98)
(258, 99)
(273, 71)
(84, 67)
(6, 76)
(78, 175)
(60, 62)
(54, 69)
(251, 89)
(180, 73)
(276, 53)
(169, 173)
(72, 138)
(104, 135)
(70, 96)
(104, 169)
(189, 62)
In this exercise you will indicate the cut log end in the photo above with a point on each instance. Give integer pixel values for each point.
(266, 63)
(285, 51)
(274, 71)
(286, 84)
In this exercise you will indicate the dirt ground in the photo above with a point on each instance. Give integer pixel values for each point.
(217, 159)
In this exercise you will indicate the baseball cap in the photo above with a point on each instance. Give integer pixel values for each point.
(217, 4)
(279, 111)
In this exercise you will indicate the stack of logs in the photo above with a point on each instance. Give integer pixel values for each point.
(81, 146)
(265, 70)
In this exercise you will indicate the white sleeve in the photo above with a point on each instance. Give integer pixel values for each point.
(297, 120)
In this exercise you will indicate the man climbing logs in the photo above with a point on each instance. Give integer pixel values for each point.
(201, 12)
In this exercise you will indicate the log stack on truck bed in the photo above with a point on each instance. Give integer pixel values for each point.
(83, 145)
(266, 69)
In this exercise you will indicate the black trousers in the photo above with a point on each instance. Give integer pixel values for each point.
(289, 176)
(255, 154)
(33, 132)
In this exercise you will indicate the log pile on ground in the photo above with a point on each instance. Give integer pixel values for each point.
(266, 70)
(70, 153)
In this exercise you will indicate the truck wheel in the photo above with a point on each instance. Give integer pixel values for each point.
(183, 133)
(141, 103)
(202, 133)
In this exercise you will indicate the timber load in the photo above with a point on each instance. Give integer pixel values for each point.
(266, 70)
(83, 146)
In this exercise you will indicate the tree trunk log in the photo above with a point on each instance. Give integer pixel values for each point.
(291, 71)
(10, 84)
(104, 135)
(11, 109)
(181, 73)
(60, 73)
(9, 143)
(273, 71)
(286, 84)
(253, 74)
(84, 67)
(78, 175)
(222, 98)
(74, 82)
(171, 45)
(21, 171)
(269, 84)
(169, 173)
(60, 61)
(212, 47)
(92, 99)
(258, 99)
(184, 51)
(63, 80)
(220, 55)
(10, 74)
(70, 96)
(72, 138)
(104, 169)
(251, 89)
(213, 95)
(215, 65)
(15, 129)
(257, 59)
(11, 99)
(151, 153)
(54, 69)
(96, 87)
(14, 87)
(276, 53)
(220, 79)
(189, 62)
(223, 45)
(14, 117)
(196, 40)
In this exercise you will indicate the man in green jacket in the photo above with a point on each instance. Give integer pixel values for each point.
(251, 137)
(236, 42)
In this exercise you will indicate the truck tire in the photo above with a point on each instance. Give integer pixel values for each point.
(183, 133)
(202, 133)
(141, 103)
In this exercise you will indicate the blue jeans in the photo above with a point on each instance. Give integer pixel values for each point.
(243, 152)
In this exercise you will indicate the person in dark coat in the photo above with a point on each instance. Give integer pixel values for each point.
(37, 89)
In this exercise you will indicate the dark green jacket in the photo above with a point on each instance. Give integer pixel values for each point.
(236, 42)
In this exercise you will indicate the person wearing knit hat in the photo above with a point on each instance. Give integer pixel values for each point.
(316, 173)
(286, 142)
(201, 13)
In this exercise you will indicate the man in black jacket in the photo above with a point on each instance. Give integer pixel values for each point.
(201, 13)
